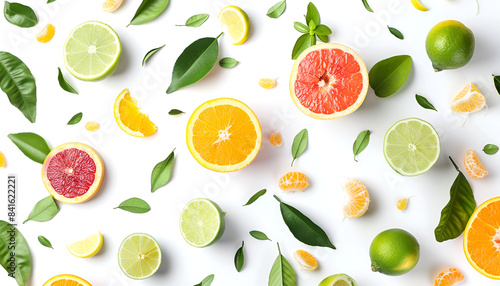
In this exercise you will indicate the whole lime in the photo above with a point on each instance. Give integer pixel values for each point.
(338, 280)
(450, 45)
(394, 252)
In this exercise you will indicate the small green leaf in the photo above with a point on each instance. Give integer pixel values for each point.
(162, 172)
(299, 144)
(303, 42)
(322, 30)
(424, 102)
(44, 210)
(134, 205)
(496, 81)
(207, 281)
(228, 62)
(389, 75)
(396, 33)
(150, 53)
(148, 10)
(32, 145)
(282, 273)
(277, 9)
(312, 14)
(490, 149)
(20, 15)
(312, 26)
(360, 143)
(64, 84)
(259, 235)
(175, 112)
(50, 1)
(75, 119)
(367, 6)
(239, 258)
(45, 242)
(22, 253)
(323, 38)
(196, 20)
(255, 197)
(301, 27)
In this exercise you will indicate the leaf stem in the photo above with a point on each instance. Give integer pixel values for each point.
(456, 167)
(219, 35)
(278, 199)
(279, 250)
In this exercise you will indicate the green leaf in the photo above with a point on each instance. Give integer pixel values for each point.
(312, 26)
(259, 235)
(195, 62)
(18, 83)
(322, 30)
(64, 84)
(162, 172)
(367, 6)
(323, 38)
(228, 62)
(150, 53)
(147, 11)
(20, 15)
(255, 197)
(239, 258)
(301, 27)
(496, 81)
(278, 9)
(75, 119)
(50, 1)
(32, 145)
(396, 33)
(304, 229)
(196, 20)
(44, 210)
(22, 253)
(303, 42)
(312, 14)
(175, 112)
(207, 281)
(456, 213)
(389, 75)
(282, 273)
(490, 149)
(360, 143)
(134, 205)
(299, 144)
(45, 242)
(424, 102)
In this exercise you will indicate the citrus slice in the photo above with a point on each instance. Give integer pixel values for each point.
(411, 146)
(87, 247)
(46, 34)
(293, 182)
(139, 256)
(328, 81)
(449, 277)
(402, 203)
(356, 198)
(73, 173)
(267, 83)
(276, 138)
(129, 117)
(482, 239)
(2, 160)
(92, 126)
(473, 166)
(202, 222)
(224, 135)
(111, 6)
(92, 51)
(305, 260)
(66, 280)
(338, 280)
(469, 100)
(236, 23)
(419, 6)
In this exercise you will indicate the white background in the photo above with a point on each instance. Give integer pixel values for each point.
(129, 161)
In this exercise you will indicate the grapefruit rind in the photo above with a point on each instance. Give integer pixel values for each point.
(93, 189)
(352, 108)
(82, 282)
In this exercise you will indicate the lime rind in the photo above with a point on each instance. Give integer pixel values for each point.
(134, 246)
(411, 146)
(338, 279)
(202, 222)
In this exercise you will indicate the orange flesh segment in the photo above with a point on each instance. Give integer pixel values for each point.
(357, 198)
(224, 135)
(449, 277)
(276, 139)
(328, 81)
(293, 182)
(132, 117)
(474, 168)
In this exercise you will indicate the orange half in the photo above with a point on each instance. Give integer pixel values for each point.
(66, 280)
(129, 117)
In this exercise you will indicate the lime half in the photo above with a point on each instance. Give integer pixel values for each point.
(139, 256)
(338, 280)
(202, 222)
(411, 146)
(92, 51)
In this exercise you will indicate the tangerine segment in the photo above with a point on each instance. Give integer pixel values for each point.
(66, 280)
(46, 34)
(224, 135)
(356, 198)
(328, 81)
(473, 166)
(306, 260)
(129, 117)
(449, 277)
(111, 6)
(276, 138)
(267, 83)
(2, 160)
(293, 182)
(482, 239)
(72, 173)
(469, 100)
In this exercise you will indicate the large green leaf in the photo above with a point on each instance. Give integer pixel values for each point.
(20, 15)
(389, 75)
(18, 83)
(148, 10)
(32, 145)
(282, 273)
(19, 252)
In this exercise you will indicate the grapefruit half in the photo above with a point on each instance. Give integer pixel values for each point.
(73, 173)
(328, 81)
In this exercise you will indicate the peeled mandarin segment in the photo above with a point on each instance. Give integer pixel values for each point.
(449, 277)
(276, 139)
(305, 260)
(267, 83)
(293, 182)
(469, 100)
(473, 166)
(356, 198)
(2, 160)
(402, 203)
(92, 126)
(111, 5)
(46, 34)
